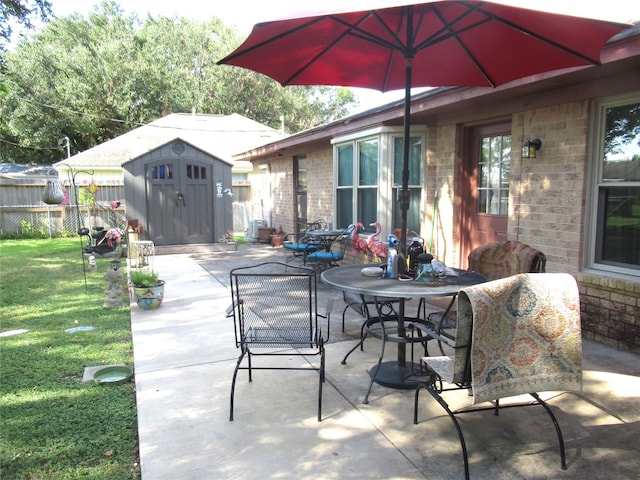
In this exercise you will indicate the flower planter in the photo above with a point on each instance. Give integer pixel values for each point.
(277, 239)
(149, 298)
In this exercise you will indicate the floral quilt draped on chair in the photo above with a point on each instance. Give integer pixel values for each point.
(526, 335)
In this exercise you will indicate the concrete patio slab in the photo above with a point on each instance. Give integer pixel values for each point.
(185, 356)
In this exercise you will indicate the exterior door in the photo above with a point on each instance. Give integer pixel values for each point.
(180, 202)
(485, 187)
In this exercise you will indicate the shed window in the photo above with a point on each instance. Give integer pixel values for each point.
(162, 172)
(196, 172)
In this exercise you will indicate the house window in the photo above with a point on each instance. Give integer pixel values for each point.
(616, 197)
(415, 190)
(357, 186)
(368, 173)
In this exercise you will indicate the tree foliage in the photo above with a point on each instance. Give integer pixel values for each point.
(92, 79)
(622, 128)
(20, 12)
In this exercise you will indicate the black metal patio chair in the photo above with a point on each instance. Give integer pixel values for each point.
(275, 313)
(332, 253)
(517, 335)
(300, 244)
(297, 244)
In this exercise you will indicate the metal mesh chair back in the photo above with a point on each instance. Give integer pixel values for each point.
(275, 312)
(275, 308)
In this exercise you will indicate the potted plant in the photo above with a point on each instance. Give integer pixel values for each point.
(148, 291)
(277, 238)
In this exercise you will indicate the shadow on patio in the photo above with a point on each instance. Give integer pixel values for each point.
(185, 355)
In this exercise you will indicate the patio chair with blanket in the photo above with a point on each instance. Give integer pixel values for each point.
(493, 260)
(275, 314)
(517, 335)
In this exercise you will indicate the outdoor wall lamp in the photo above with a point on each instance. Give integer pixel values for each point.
(530, 148)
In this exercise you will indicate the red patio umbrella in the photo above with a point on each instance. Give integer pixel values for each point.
(438, 43)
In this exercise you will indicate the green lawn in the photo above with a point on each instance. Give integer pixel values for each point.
(52, 425)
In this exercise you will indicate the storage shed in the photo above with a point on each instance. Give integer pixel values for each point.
(179, 194)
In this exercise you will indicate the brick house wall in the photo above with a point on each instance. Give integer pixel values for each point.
(547, 198)
(546, 209)
(610, 311)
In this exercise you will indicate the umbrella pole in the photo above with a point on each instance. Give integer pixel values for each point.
(404, 192)
(433, 220)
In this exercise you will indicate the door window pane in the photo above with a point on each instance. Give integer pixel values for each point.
(162, 172)
(493, 175)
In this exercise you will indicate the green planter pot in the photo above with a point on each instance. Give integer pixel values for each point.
(149, 298)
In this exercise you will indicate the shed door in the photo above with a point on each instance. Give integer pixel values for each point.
(180, 202)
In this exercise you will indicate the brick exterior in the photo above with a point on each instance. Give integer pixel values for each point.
(546, 209)
(610, 311)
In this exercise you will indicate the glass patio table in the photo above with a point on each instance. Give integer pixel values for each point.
(400, 373)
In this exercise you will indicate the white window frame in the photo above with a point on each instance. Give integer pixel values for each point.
(595, 182)
(386, 188)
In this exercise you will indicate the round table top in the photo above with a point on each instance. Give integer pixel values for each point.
(351, 278)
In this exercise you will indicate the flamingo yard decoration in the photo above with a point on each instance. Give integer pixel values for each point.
(359, 244)
(377, 247)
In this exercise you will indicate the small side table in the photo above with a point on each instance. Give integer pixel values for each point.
(143, 254)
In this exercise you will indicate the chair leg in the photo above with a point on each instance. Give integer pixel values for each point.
(563, 461)
(343, 314)
(432, 391)
(233, 383)
(363, 337)
(321, 381)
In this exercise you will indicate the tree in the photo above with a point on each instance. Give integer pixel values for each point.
(92, 79)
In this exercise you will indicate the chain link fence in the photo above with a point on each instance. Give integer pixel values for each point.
(54, 221)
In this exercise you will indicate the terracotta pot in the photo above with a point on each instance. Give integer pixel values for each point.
(277, 239)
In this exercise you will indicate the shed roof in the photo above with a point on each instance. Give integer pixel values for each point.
(219, 135)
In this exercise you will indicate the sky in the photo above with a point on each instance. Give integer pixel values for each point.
(243, 14)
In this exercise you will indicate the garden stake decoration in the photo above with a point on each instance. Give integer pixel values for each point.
(71, 173)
